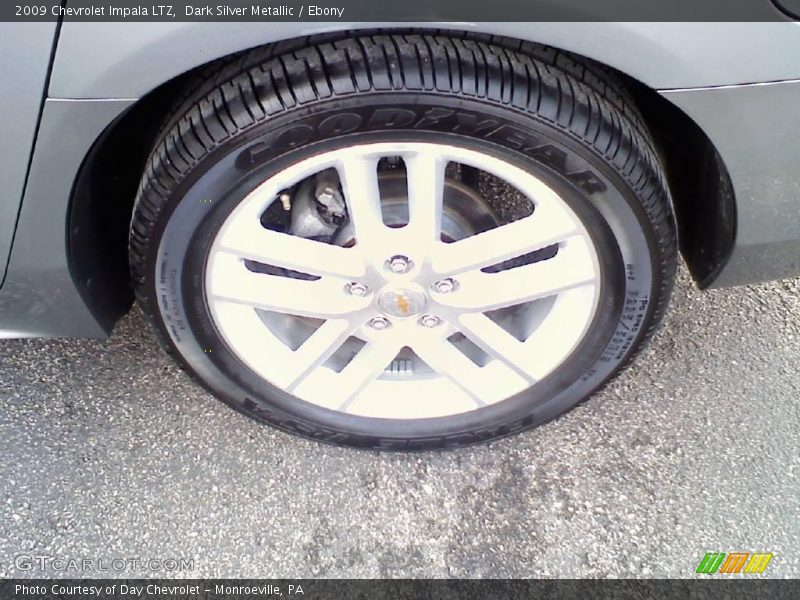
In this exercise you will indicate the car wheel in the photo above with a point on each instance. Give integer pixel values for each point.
(404, 242)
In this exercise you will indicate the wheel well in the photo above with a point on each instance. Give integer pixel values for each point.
(98, 229)
(102, 203)
(702, 193)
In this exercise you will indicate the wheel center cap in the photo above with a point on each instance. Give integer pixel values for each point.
(402, 302)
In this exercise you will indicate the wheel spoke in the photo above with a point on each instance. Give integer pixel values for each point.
(425, 172)
(254, 242)
(359, 178)
(571, 267)
(370, 362)
(548, 225)
(498, 343)
(318, 348)
(559, 333)
(230, 280)
(444, 358)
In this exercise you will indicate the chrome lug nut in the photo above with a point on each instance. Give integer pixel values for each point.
(359, 290)
(445, 286)
(429, 321)
(380, 323)
(399, 264)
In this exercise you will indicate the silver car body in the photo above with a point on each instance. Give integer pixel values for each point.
(740, 82)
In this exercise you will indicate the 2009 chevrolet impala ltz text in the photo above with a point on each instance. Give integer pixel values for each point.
(396, 237)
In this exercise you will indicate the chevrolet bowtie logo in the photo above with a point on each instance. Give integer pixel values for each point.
(402, 303)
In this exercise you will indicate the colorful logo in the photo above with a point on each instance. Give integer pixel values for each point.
(734, 562)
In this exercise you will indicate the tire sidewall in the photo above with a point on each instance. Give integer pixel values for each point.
(605, 201)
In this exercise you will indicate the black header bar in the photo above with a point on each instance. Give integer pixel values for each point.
(327, 589)
(393, 11)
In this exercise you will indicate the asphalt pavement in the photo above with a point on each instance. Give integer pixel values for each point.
(109, 451)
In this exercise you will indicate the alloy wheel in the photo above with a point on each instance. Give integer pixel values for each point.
(402, 322)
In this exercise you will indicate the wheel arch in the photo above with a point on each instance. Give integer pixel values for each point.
(701, 189)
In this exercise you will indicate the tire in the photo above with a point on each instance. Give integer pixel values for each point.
(574, 131)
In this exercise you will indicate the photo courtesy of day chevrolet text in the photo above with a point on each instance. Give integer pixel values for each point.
(128, 590)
